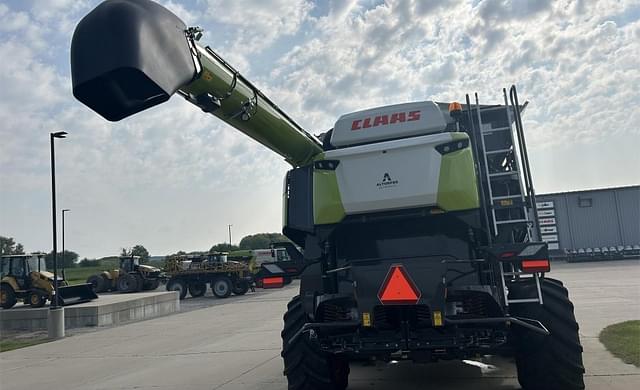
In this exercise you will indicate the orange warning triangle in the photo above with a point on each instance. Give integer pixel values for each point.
(398, 288)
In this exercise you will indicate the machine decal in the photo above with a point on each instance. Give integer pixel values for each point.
(383, 120)
(387, 181)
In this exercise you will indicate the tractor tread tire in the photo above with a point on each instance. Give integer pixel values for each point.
(178, 285)
(307, 368)
(197, 289)
(97, 283)
(10, 297)
(227, 292)
(551, 362)
(241, 288)
(40, 299)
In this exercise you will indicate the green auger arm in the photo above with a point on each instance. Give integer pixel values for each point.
(130, 55)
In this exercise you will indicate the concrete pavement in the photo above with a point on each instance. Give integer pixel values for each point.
(235, 345)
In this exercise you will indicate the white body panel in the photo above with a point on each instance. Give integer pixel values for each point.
(389, 175)
(389, 122)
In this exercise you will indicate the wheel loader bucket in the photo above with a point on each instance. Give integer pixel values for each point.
(79, 293)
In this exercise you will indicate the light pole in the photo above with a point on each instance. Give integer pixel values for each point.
(230, 235)
(58, 134)
(63, 254)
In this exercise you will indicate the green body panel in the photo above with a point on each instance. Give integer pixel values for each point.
(327, 203)
(457, 185)
(266, 125)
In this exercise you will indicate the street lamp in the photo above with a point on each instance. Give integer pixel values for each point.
(63, 253)
(230, 235)
(58, 134)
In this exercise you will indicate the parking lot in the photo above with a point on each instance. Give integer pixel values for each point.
(235, 344)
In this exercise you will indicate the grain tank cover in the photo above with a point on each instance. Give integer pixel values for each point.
(388, 122)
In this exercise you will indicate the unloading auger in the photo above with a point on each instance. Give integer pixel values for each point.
(130, 55)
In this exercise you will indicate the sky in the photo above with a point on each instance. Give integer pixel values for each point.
(173, 178)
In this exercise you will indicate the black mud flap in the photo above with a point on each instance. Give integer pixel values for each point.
(79, 293)
(129, 55)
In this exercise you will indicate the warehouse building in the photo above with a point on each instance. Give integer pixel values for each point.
(590, 219)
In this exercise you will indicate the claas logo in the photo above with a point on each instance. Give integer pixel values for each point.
(383, 120)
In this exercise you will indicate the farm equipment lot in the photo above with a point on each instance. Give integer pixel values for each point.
(235, 344)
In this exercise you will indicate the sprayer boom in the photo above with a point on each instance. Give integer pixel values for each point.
(130, 55)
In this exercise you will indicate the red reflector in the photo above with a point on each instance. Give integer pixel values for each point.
(506, 255)
(398, 288)
(273, 282)
(536, 266)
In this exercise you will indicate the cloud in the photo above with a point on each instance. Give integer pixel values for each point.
(173, 177)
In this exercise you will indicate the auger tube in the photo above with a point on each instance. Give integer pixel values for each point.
(130, 55)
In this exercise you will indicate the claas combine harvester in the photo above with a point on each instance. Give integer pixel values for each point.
(417, 220)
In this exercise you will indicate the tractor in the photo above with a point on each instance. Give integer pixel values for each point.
(131, 276)
(25, 278)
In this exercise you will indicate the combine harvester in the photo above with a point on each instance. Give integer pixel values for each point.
(417, 220)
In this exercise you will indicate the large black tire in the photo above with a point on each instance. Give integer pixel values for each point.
(307, 368)
(97, 282)
(177, 285)
(150, 285)
(127, 283)
(197, 289)
(222, 287)
(241, 287)
(547, 362)
(37, 299)
(7, 297)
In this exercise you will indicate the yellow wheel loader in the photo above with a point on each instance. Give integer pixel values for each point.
(25, 278)
(130, 277)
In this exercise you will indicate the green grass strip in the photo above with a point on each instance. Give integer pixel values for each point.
(623, 341)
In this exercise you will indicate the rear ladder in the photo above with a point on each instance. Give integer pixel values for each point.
(505, 175)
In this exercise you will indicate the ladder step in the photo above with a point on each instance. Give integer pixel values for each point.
(511, 221)
(529, 300)
(507, 197)
(499, 151)
(485, 131)
(503, 173)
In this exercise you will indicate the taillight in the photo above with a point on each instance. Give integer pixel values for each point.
(531, 266)
(273, 282)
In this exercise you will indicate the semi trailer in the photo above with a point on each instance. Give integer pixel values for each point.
(417, 220)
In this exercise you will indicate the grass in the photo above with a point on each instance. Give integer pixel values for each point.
(79, 275)
(623, 341)
(11, 344)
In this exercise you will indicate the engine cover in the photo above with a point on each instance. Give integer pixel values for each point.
(389, 122)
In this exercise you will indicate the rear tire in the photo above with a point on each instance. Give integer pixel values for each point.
(197, 289)
(127, 283)
(551, 362)
(177, 285)
(36, 299)
(222, 287)
(150, 285)
(241, 287)
(307, 368)
(7, 297)
(97, 283)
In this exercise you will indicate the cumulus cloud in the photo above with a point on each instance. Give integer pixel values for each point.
(173, 176)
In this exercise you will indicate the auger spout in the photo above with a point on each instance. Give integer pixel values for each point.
(130, 55)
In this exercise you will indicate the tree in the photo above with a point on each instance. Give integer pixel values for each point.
(261, 240)
(141, 251)
(223, 247)
(68, 261)
(8, 246)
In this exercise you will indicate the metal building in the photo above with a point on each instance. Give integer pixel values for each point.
(590, 219)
